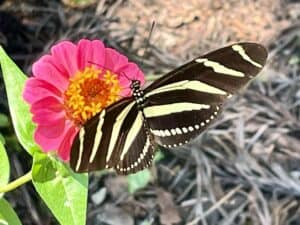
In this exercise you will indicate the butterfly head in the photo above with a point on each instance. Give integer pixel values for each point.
(135, 84)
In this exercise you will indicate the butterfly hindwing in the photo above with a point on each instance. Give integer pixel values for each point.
(139, 155)
(183, 103)
(178, 128)
(135, 146)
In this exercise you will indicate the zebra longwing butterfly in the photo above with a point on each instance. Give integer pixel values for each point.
(170, 112)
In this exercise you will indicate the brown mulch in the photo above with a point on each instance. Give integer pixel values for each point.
(186, 28)
(244, 169)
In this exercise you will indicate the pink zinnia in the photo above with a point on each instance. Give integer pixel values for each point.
(71, 85)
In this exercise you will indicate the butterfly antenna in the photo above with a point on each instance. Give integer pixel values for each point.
(147, 43)
(93, 63)
(124, 74)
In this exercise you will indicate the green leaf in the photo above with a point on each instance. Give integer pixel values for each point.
(4, 167)
(159, 155)
(14, 80)
(7, 214)
(3, 120)
(138, 180)
(2, 139)
(64, 192)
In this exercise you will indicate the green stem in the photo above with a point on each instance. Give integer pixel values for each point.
(16, 183)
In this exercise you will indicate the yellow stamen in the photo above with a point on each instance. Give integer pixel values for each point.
(89, 92)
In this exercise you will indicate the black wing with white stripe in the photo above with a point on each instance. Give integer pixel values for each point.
(185, 101)
(140, 154)
(94, 143)
(114, 138)
(244, 61)
(173, 110)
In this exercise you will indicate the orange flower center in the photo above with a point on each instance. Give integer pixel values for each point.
(90, 91)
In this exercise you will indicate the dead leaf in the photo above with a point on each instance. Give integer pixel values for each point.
(113, 215)
(116, 186)
(99, 196)
(169, 212)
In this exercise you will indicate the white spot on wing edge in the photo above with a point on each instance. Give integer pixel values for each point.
(185, 130)
(173, 132)
(167, 132)
(162, 133)
(81, 142)
(178, 130)
(140, 158)
(218, 68)
(241, 51)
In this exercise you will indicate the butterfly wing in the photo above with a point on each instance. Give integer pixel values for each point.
(183, 103)
(114, 138)
(139, 155)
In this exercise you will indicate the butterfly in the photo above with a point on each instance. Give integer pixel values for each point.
(170, 112)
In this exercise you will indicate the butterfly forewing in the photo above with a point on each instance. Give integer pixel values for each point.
(117, 138)
(96, 141)
(185, 101)
(228, 57)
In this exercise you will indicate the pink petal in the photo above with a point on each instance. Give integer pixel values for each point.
(114, 60)
(49, 59)
(47, 143)
(64, 54)
(48, 103)
(61, 143)
(65, 147)
(127, 74)
(89, 53)
(52, 73)
(51, 131)
(131, 71)
(49, 73)
(126, 92)
(36, 89)
(47, 117)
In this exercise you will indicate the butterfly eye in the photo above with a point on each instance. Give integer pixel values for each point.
(138, 83)
(135, 84)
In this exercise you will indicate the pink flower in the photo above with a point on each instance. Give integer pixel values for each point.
(72, 84)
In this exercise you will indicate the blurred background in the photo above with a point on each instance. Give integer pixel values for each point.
(244, 170)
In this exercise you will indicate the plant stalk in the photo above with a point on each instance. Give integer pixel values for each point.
(16, 183)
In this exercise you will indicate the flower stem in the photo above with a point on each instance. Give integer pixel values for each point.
(16, 183)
